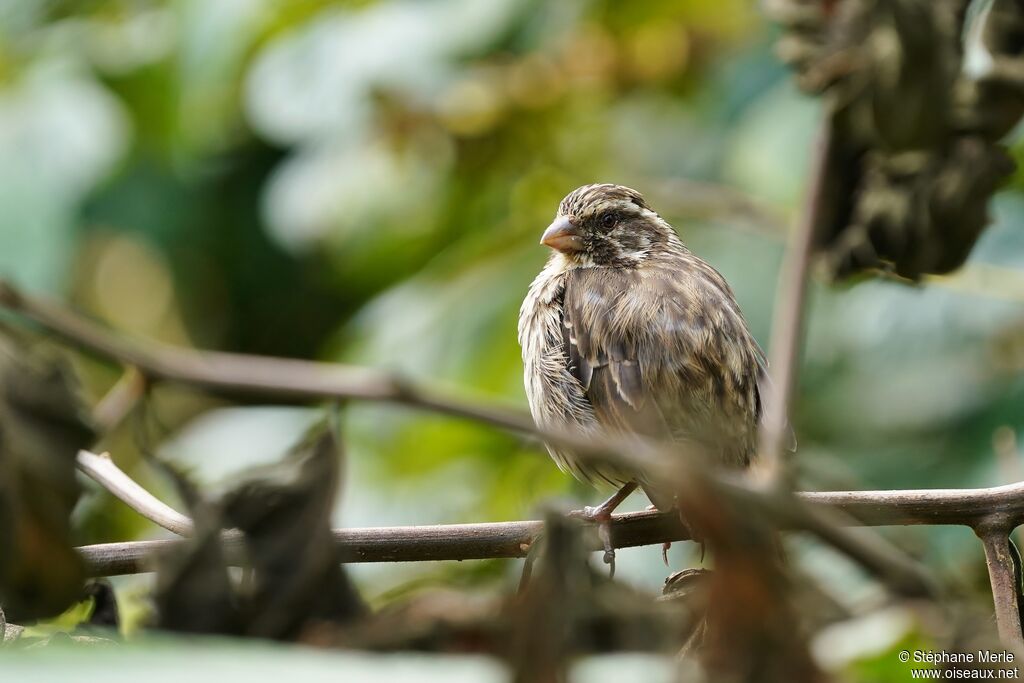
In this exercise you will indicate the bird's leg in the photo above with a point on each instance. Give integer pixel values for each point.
(602, 516)
(603, 512)
(667, 545)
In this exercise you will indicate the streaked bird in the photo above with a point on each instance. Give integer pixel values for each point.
(626, 331)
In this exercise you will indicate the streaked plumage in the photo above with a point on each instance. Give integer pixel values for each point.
(627, 330)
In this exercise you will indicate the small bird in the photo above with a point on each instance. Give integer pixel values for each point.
(626, 331)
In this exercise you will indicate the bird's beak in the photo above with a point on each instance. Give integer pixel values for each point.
(562, 235)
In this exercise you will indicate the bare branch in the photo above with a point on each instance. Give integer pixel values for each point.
(1005, 582)
(102, 469)
(412, 543)
(119, 401)
(513, 539)
(787, 326)
(967, 507)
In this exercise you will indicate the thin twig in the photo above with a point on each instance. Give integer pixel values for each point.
(1008, 462)
(1005, 582)
(119, 401)
(787, 325)
(102, 469)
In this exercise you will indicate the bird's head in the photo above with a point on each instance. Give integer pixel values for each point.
(606, 225)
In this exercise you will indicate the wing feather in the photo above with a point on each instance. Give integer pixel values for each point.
(665, 356)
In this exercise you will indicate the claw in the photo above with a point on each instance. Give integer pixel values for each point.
(664, 552)
(604, 531)
(609, 559)
(602, 516)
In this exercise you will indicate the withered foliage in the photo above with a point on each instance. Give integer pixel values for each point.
(744, 599)
(291, 576)
(917, 94)
(568, 608)
(42, 428)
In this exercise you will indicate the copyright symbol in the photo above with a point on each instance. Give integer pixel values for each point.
(904, 656)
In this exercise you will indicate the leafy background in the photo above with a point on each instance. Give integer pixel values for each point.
(366, 182)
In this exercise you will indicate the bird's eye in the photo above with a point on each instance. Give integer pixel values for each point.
(609, 220)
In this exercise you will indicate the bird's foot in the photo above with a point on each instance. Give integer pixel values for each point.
(602, 517)
(689, 532)
(667, 545)
(604, 531)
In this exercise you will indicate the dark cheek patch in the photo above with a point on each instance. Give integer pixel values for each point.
(630, 241)
(603, 251)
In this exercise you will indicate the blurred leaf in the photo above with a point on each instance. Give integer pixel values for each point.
(911, 158)
(289, 544)
(42, 428)
(70, 131)
(292, 575)
(568, 608)
(194, 593)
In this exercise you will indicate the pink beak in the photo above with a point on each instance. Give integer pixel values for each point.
(562, 235)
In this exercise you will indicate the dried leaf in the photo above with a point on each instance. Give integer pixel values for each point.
(42, 428)
(292, 575)
(194, 592)
(744, 599)
(568, 608)
(914, 124)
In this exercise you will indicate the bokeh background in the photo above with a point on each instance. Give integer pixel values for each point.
(366, 182)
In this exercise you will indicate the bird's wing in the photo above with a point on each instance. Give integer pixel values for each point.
(603, 357)
(664, 353)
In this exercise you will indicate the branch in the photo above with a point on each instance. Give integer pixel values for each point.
(967, 507)
(119, 401)
(102, 469)
(492, 540)
(1005, 580)
(278, 378)
(787, 326)
(512, 539)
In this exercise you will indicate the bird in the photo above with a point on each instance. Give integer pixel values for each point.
(626, 331)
